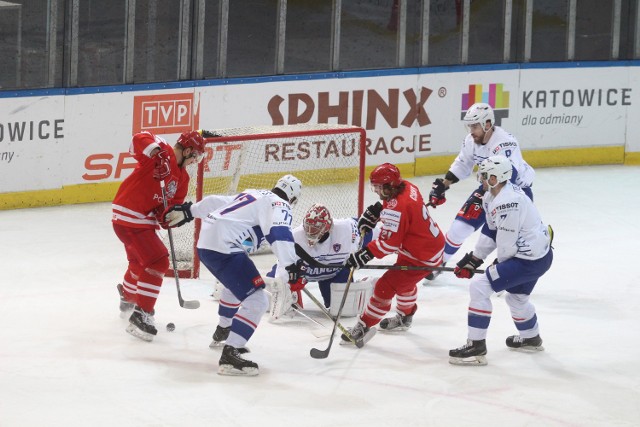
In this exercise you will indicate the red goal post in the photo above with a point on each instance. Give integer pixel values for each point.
(328, 159)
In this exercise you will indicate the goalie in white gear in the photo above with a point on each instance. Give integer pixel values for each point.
(328, 241)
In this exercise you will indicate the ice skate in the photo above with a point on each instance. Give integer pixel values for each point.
(516, 342)
(232, 363)
(126, 307)
(360, 334)
(400, 322)
(141, 325)
(220, 336)
(472, 353)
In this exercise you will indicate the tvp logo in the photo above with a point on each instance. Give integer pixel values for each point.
(165, 114)
(496, 97)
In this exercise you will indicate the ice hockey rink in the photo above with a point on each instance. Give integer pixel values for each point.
(65, 359)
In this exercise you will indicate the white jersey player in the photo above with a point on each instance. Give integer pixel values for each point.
(328, 241)
(232, 227)
(484, 140)
(523, 242)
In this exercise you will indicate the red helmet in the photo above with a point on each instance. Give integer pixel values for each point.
(193, 140)
(386, 173)
(316, 223)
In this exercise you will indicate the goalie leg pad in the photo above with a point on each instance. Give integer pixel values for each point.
(281, 300)
(357, 297)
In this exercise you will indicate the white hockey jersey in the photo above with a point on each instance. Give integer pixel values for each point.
(343, 240)
(241, 223)
(519, 229)
(501, 143)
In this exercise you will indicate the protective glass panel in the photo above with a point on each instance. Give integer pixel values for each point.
(308, 45)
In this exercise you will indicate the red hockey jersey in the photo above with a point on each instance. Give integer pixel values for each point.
(139, 198)
(407, 229)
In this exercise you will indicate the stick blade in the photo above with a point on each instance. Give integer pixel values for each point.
(319, 354)
(191, 305)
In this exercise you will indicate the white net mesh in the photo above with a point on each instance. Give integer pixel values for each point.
(326, 158)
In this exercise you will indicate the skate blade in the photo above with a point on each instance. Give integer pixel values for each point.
(144, 336)
(398, 329)
(528, 349)
(229, 370)
(468, 361)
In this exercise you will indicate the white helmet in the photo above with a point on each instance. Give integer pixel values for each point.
(316, 223)
(480, 113)
(498, 166)
(291, 186)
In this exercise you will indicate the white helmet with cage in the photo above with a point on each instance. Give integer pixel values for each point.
(291, 186)
(316, 223)
(480, 113)
(498, 166)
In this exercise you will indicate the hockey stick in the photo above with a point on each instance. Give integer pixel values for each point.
(322, 354)
(322, 308)
(184, 304)
(306, 257)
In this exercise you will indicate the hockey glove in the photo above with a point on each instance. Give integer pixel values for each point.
(178, 215)
(472, 208)
(295, 275)
(163, 166)
(360, 258)
(436, 196)
(466, 266)
(369, 218)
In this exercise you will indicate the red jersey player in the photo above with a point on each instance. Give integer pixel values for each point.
(137, 212)
(407, 230)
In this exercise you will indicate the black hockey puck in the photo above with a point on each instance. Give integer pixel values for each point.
(171, 327)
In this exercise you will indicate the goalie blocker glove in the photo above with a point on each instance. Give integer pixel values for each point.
(178, 215)
(360, 258)
(370, 217)
(466, 266)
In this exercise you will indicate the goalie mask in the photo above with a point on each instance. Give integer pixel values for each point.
(316, 223)
(498, 166)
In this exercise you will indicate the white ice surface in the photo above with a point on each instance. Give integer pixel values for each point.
(65, 359)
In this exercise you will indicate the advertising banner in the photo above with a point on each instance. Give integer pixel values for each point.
(50, 142)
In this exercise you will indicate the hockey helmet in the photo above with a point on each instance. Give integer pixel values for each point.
(316, 223)
(193, 140)
(386, 173)
(479, 113)
(291, 186)
(498, 166)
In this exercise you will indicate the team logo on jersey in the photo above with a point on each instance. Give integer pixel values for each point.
(392, 203)
(337, 247)
(496, 97)
(172, 187)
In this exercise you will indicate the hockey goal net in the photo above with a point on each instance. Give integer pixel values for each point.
(328, 159)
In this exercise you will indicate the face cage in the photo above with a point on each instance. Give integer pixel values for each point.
(317, 233)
